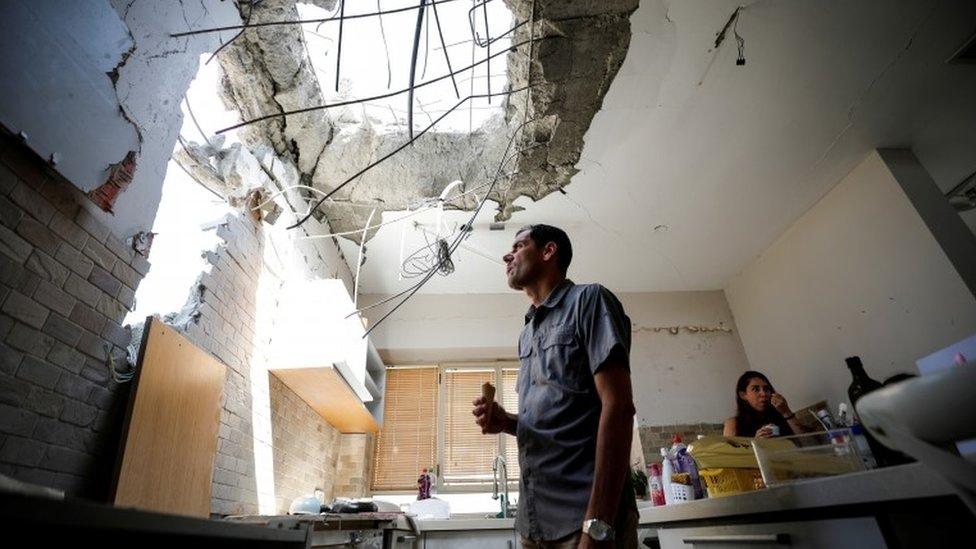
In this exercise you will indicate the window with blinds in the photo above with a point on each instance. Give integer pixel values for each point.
(407, 442)
(509, 401)
(468, 454)
(427, 420)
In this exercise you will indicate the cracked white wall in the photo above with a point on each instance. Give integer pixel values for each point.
(61, 60)
(151, 83)
(56, 88)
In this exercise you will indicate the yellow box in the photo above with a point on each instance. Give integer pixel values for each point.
(729, 481)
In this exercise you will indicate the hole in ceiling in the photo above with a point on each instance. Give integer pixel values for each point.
(375, 56)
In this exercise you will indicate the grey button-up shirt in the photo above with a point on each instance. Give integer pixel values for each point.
(564, 343)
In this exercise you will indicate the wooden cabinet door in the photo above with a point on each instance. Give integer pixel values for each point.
(170, 435)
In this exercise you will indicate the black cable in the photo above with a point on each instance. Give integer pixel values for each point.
(342, 13)
(488, 67)
(473, 25)
(386, 47)
(739, 42)
(423, 73)
(409, 292)
(250, 12)
(447, 57)
(373, 98)
(298, 21)
(413, 67)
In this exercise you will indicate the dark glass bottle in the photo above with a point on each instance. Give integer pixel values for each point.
(862, 383)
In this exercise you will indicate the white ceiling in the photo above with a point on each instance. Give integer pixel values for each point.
(728, 157)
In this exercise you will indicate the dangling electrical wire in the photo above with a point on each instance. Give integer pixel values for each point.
(359, 262)
(372, 98)
(447, 57)
(395, 151)
(320, 20)
(247, 22)
(465, 229)
(733, 23)
(386, 48)
(342, 14)
(413, 67)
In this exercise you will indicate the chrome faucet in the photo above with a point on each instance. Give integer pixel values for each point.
(494, 480)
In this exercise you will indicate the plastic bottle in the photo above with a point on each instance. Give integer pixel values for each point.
(842, 420)
(424, 485)
(666, 471)
(676, 445)
(655, 484)
(684, 463)
(863, 448)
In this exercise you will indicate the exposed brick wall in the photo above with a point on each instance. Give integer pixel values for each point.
(264, 425)
(306, 447)
(66, 284)
(655, 437)
(354, 466)
(220, 318)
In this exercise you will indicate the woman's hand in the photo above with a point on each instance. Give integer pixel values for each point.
(779, 403)
(490, 423)
(765, 432)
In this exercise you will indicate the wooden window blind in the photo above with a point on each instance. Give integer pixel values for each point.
(407, 442)
(509, 400)
(468, 454)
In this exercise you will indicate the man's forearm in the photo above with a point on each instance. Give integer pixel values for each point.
(612, 461)
(511, 424)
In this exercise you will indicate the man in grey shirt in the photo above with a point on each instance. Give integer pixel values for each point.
(575, 419)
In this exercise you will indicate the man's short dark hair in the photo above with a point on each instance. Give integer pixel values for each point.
(543, 234)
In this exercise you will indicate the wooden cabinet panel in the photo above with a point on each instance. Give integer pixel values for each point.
(171, 426)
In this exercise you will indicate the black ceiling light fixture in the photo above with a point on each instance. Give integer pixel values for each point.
(740, 42)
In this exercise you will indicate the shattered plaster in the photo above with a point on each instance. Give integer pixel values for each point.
(579, 48)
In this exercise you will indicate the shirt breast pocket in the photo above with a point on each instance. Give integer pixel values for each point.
(561, 367)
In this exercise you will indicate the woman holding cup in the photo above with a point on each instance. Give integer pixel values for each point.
(761, 412)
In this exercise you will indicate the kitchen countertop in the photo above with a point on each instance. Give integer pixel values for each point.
(903, 482)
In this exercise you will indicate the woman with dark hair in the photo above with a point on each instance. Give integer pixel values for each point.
(761, 412)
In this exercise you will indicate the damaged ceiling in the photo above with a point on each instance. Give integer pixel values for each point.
(577, 49)
(684, 169)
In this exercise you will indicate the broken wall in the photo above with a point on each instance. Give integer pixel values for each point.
(108, 70)
(66, 283)
(272, 447)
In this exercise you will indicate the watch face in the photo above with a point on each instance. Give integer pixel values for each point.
(598, 530)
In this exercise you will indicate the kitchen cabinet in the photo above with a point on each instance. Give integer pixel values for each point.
(470, 539)
(852, 533)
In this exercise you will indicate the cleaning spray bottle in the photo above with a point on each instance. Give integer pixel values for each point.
(666, 471)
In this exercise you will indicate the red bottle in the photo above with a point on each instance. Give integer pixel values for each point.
(655, 484)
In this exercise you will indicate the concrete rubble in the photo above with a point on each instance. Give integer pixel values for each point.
(580, 45)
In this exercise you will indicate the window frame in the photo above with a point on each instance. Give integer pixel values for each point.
(504, 440)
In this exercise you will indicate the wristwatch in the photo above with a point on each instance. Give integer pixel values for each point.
(597, 529)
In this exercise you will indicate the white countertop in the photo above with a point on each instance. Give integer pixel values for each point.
(893, 483)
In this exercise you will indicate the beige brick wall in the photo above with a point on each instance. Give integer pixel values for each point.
(655, 437)
(354, 466)
(306, 447)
